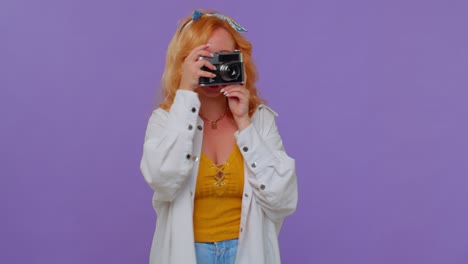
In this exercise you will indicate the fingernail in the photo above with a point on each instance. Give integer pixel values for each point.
(222, 90)
(226, 94)
(212, 55)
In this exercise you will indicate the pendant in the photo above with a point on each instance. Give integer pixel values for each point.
(213, 125)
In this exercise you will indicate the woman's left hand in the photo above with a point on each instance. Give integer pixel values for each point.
(238, 101)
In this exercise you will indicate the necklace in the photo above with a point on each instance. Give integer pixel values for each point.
(214, 123)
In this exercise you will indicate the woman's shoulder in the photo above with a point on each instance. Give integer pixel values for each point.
(263, 110)
(263, 116)
(159, 112)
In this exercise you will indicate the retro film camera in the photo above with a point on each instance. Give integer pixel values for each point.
(229, 69)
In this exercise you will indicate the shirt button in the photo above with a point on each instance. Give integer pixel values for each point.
(246, 195)
(191, 193)
(245, 149)
(188, 156)
(190, 127)
(195, 158)
(242, 229)
(262, 187)
(199, 128)
(254, 165)
(194, 110)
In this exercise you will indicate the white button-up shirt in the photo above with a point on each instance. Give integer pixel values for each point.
(169, 165)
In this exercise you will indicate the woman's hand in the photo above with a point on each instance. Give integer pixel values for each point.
(191, 68)
(238, 100)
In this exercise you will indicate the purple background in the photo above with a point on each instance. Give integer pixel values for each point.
(372, 97)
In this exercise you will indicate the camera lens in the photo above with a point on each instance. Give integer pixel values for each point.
(230, 71)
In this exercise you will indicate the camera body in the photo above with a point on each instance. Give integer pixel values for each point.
(229, 69)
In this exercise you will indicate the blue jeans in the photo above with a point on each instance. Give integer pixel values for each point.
(223, 252)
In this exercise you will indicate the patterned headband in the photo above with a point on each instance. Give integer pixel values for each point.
(197, 14)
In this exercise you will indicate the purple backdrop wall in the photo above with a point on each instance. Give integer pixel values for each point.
(372, 101)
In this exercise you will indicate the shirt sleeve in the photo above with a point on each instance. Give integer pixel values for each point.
(167, 151)
(273, 173)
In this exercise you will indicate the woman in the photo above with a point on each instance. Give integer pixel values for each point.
(212, 154)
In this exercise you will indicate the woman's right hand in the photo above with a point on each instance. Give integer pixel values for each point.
(191, 68)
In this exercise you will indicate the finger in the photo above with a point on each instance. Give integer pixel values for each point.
(205, 63)
(235, 88)
(207, 74)
(195, 53)
(204, 53)
(236, 94)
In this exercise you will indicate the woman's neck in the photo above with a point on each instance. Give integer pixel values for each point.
(212, 107)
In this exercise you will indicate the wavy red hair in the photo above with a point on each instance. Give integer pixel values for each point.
(197, 33)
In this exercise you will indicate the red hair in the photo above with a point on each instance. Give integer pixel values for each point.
(195, 34)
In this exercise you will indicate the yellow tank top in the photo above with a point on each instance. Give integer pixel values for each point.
(218, 198)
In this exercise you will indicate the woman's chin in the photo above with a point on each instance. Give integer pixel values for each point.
(211, 91)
